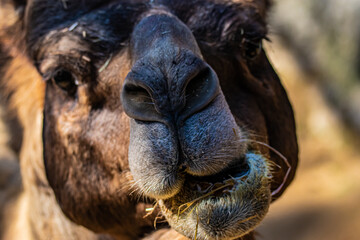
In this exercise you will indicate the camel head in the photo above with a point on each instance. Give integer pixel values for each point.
(164, 101)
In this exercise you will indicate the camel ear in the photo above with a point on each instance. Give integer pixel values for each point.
(12, 24)
(268, 3)
(17, 3)
(263, 6)
(11, 11)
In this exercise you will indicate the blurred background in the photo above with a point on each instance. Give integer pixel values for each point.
(315, 48)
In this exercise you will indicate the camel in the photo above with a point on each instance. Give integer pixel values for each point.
(158, 119)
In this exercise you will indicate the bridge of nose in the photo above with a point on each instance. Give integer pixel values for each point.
(163, 33)
(165, 55)
(168, 79)
(165, 76)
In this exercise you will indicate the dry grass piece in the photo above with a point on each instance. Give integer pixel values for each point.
(151, 210)
(103, 67)
(73, 26)
(276, 191)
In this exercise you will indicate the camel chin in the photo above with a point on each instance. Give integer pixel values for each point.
(225, 206)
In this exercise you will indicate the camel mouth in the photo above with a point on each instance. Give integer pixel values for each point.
(223, 182)
(226, 205)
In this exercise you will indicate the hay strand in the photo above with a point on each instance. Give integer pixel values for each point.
(150, 210)
(103, 67)
(189, 204)
(276, 191)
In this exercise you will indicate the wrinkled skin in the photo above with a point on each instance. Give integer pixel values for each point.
(166, 100)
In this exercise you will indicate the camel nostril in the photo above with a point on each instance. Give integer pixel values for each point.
(195, 85)
(138, 103)
(137, 94)
(199, 92)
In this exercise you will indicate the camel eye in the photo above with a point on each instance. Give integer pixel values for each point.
(251, 48)
(66, 81)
